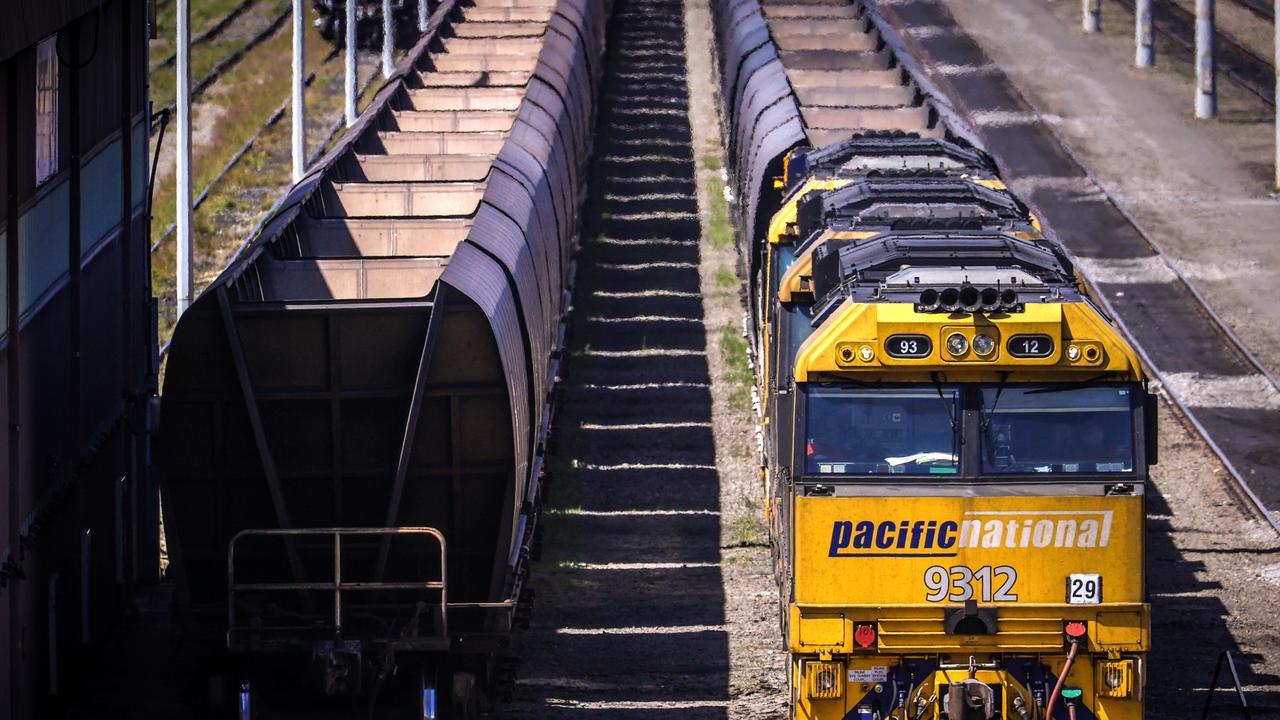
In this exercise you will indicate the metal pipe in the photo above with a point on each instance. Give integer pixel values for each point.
(1206, 80)
(1091, 15)
(351, 63)
(424, 7)
(388, 38)
(299, 84)
(184, 279)
(1143, 41)
(13, 362)
(75, 267)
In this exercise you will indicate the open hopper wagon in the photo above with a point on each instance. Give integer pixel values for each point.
(354, 412)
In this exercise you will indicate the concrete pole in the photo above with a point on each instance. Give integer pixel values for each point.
(1206, 80)
(1276, 17)
(1144, 42)
(1092, 15)
(299, 103)
(183, 221)
(423, 15)
(351, 63)
(388, 38)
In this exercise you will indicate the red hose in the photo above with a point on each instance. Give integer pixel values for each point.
(1062, 678)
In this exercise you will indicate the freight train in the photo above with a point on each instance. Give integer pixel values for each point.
(355, 412)
(955, 439)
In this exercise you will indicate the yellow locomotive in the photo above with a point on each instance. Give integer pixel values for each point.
(956, 448)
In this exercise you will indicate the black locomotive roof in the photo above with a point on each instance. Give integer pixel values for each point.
(873, 269)
(908, 200)
(865, 151)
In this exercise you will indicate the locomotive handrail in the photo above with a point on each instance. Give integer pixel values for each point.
(336, 585)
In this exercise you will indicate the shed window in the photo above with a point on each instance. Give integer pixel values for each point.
(46, 108)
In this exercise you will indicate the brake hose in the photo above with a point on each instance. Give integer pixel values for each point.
(1062, 678)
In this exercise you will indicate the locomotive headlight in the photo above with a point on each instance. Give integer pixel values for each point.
(1116, 678)
(865, 353)
(1073, 353)
(984, 344)
(826, 679)
(957, 344)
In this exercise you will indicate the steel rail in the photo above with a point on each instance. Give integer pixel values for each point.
(1217, 321)
(272, 119)
(1248, 69)
(214, 29)
(1261, 8)
(969, 128)
(235, 57)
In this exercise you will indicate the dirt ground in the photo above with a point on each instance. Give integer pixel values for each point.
(655, 596)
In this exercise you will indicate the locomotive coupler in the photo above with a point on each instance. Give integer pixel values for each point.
(340, 664)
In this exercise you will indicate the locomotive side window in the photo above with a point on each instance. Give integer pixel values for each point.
(881, 431)
(1047, 429)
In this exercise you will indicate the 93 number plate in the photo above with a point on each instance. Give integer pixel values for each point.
(1084, 589)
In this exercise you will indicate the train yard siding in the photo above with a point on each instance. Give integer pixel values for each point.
(654, 594)
(1212, 564)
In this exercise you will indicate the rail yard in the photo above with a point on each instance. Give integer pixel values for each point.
(811, 359)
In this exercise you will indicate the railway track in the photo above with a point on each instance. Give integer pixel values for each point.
(208, 33)
(1261, 8)
(1194, 352)
(234, 57)
(1247, 68)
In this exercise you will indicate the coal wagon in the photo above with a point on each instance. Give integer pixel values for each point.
(354, 413)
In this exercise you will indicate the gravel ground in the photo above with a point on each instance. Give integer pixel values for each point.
(1213, 567)
(655, 596)
(1201, 188)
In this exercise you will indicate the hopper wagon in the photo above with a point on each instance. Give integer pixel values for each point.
(355, 413)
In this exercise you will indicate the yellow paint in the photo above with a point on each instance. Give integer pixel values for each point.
(834, 349)
(859, 688)
(782, 221)
(798, 278)
(1041, 538)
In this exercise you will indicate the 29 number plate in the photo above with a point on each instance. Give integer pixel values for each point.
(1084, 588)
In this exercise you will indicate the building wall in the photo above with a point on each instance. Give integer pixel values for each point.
(77, 513)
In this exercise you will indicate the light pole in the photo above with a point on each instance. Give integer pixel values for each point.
(183, 168)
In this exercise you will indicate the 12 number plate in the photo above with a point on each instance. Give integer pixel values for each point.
(1084, 588)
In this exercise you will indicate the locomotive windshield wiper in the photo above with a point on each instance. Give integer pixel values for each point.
(956, 440)
(987, 414)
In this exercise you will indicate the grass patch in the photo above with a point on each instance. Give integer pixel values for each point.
(719, 229)
(733, 352)
(746, 531)
(726, 278)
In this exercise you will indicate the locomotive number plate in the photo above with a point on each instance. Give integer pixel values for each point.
(908, 346)
(1030, 346)
(959, 583)
(1084, 588)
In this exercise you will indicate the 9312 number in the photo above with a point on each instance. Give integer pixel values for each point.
(959, 583)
